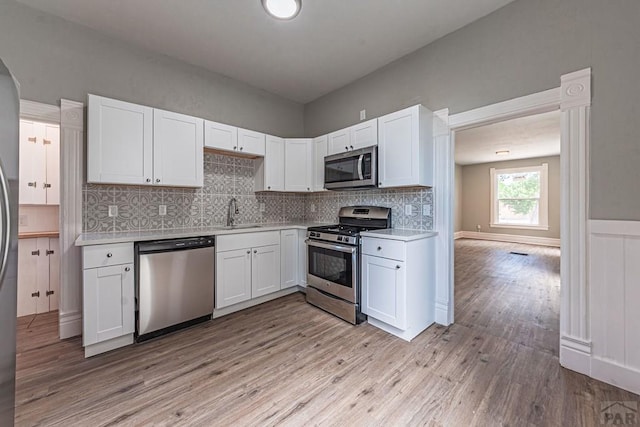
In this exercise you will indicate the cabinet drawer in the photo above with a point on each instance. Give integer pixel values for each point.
(105, 255)
(232, 242)
(385, 248)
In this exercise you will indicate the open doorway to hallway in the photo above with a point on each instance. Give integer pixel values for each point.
(507, 230)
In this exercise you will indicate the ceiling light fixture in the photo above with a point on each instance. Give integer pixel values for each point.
(282, 9)
(502, 153)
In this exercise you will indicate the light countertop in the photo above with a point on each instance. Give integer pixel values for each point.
(36, 234)
(398, 234)
(86, 239)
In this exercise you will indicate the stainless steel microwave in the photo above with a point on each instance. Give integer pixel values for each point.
(351, 170)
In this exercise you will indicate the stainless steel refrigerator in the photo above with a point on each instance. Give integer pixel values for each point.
(9, 125)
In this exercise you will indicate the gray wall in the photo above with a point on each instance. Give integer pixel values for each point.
(53, 59)
(457, 220)
(476, 196)
(520, 49)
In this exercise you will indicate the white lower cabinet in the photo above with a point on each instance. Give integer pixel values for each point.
(289, 263)
(38, 275)
(247, 266)
(398, 285)
(108, 297)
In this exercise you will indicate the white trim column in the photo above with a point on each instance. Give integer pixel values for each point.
(575, 335)
(443, 193)
(71, 178)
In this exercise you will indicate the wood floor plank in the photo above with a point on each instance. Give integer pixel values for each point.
(288, 363)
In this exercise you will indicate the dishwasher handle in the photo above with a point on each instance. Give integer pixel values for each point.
(175, 245)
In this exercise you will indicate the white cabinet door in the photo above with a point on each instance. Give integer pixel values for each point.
(274, 164)
(220, 136)
(289, 263)
(265, 270)
(177, 149)
(42, 302)
(251, 142)
(405, 148)
(54, 273)
(364, 134)
(119, 142)
(339, 141)
(108, 303)
(27, 276)
(233, 277)
(32, 163)
(384, 290)
(298, 164)
(319, 153)
(51, 144)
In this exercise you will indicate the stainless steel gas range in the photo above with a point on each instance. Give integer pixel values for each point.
(333, 278)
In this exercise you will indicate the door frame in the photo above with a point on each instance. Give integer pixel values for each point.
(70, 117)
(573, 99)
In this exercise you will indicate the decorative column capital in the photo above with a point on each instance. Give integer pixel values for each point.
(575, 89)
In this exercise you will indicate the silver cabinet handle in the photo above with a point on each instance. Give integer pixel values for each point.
(379, 248)
(351, 146)
(235, 148)
(157, 179)
(397, 267)
(127, 269)
(5, 217)
(148, 179)
(241, 148)
(248, 252)
(255, 251)
(308, 189)
(346, 148)
(269, 188)
(109, 255)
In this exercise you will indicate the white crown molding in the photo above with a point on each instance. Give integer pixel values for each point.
(576, 89)
(536, 103)
(41, 112)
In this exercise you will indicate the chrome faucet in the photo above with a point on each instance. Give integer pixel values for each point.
(230, 213)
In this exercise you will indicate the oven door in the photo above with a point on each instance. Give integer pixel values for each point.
(333, 269)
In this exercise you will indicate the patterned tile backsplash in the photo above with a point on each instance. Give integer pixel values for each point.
(226, 177)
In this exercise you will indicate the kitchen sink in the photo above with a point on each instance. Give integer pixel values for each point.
(239, 227)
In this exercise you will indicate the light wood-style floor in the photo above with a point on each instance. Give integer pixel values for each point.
(286, 362)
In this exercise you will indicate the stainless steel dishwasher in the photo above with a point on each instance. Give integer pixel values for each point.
(174, 286)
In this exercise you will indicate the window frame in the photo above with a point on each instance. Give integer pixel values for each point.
(543, 207)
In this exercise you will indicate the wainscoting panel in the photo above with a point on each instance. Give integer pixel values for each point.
(615, 302)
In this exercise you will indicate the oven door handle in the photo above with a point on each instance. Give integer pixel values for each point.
(339, 248)
(360, 171)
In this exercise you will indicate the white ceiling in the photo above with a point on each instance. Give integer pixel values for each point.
(330, 44)
(526, 137)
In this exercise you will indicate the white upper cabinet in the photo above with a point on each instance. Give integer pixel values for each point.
(120, 142)
(269, 174)
(358, 136)
(339, 141)
(319, 153)
(298, 162)
(39, 163)
(133, 144)
(364, 134)
(177, 149)
(251, 142)
(220, 136)
(405, 148)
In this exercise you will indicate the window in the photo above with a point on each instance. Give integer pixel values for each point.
(519, 197)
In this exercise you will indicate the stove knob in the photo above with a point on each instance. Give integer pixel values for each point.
(339, 238)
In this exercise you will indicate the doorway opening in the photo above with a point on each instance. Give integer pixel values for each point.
(507, 229)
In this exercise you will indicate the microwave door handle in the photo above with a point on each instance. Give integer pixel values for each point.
(360, 172)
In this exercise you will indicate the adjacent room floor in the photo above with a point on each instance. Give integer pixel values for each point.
(286, 362)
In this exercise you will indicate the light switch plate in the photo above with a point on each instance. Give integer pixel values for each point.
(262, 208)
(113, 211)
(363, 114)
(426, 210)
(408, 210)
(312, 207)
(162, 210)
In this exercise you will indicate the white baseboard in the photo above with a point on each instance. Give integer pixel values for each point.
(219, 312)
(70, 325)
(510, 238)
(575, 354)
(442, 313)
(612, 373)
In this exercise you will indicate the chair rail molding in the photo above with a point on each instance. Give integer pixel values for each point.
(71, 178)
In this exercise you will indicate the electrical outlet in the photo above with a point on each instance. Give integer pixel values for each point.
(312, 207)
(262, 208)
(162, 210)
(478, 227)
(113, 211)
(408, 210)
(23, 220)
(426, 210)
(363, 114)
